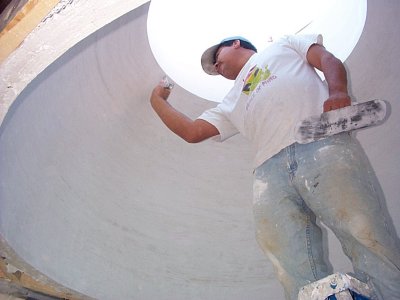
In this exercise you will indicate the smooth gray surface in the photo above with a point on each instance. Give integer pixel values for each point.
(99, 196)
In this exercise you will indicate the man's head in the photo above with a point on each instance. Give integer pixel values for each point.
(214, 57)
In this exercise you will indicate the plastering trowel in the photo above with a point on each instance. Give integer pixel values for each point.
(357, 116)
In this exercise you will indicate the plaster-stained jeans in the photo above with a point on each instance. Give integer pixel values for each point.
(330, 180)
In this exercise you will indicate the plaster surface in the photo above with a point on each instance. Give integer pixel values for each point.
(96, 194)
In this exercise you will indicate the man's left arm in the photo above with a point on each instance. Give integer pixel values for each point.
(335, 76)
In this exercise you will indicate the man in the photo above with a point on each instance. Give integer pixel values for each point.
(294, 184)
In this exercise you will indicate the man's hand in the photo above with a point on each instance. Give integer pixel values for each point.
(337, 101)
(161, 91)
(192, 131)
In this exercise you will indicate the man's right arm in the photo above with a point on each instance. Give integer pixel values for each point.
(192, 131)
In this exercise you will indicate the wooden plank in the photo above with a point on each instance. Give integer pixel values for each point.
(19, 279)
(9, 9)
(30, 15)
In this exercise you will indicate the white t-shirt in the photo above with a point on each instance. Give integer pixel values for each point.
(274, 91)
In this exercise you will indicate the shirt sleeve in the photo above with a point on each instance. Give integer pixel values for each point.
(216, 117)
(302, 42)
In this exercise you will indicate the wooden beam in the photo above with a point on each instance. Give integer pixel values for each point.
(9, 8)
(19, 280)
(30, 15)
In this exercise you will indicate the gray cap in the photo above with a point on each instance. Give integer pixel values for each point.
(208, 57)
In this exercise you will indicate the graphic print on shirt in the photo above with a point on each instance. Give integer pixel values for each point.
(253, 79)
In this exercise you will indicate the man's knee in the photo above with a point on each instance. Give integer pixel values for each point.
(365, 231)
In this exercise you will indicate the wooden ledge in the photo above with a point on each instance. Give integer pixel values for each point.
(18, 28)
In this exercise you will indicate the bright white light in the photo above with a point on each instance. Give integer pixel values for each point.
(179, 31)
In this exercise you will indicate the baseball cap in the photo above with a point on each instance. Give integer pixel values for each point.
(208, 57)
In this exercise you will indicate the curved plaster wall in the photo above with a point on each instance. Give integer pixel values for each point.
(96, 194)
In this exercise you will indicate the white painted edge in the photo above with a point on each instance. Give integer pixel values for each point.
(69, 22)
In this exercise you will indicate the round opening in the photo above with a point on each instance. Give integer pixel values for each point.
(179, 32)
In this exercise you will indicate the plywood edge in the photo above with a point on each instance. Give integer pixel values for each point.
(17, 275)
(27, 19)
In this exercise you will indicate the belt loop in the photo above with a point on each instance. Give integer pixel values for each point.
(291, 160)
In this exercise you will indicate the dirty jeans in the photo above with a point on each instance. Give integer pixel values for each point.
(331, 181)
